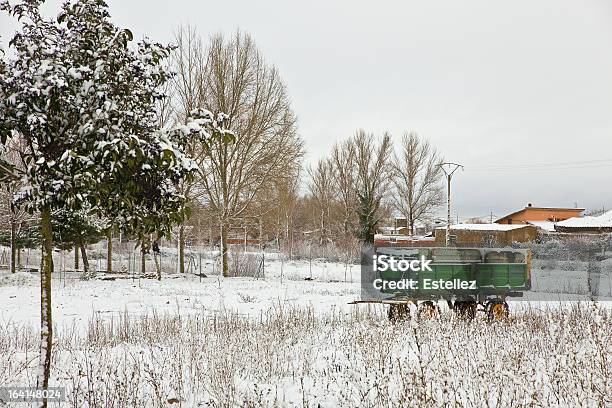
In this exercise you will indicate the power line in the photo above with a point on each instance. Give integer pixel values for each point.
(535, 169)
(550, 163)
(559, 165)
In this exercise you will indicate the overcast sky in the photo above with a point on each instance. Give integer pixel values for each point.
(510, 89)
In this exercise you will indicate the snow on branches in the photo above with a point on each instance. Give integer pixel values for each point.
(202, 125)
(84, 101)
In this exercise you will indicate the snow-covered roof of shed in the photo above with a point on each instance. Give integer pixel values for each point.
(486, 227)
(391, 229)
(403, 237)
(601, 221)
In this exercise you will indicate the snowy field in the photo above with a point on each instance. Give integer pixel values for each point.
(212, 342)
(79, 300)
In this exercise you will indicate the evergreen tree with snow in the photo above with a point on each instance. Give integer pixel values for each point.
(75, 230)
(84, 102)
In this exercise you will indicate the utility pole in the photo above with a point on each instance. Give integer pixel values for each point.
(449, 169)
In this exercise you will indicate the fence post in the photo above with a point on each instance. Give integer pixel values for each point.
(263, 264)
(310, 258)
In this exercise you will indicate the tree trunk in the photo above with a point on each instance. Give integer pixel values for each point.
(144, 248)
(290, 235)
(46, 322)
(181, 249)
(13, 246)
(42, 257)
(76, 258)
(85, 260)
(156, 254)
(143, 259)
(411, 224)
(224, 249)
(109, 251)
(322, 227)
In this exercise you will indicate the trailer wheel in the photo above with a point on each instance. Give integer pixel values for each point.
(497, 310)
(428, 310)
(465, 309)
(398, 312)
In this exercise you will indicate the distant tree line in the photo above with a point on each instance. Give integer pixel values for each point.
(364, 180)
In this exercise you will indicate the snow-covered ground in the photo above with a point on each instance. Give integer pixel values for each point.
(78, 300)
(323, 286)
(295, 341)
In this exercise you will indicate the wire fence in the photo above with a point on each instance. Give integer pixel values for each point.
(126, 260)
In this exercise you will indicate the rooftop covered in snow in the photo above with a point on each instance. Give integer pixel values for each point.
(486, 227)
(600, 222)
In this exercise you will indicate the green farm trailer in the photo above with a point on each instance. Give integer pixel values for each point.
(468, 279)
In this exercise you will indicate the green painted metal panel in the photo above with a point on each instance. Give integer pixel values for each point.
(502, 270)
(484, 276)
(518, 275)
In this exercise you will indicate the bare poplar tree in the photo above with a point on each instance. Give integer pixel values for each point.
(343, 161)
(322, 187)
(288, 194)
(188, 63)
(416, 179)
(372, 171)
(237, 80)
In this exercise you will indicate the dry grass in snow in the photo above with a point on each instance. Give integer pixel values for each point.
(293, 356)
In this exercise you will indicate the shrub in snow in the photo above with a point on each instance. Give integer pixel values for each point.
(17, 279)
(568, 248)
(245, 264)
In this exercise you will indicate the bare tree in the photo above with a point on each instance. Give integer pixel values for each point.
(277, 221)
(350, 186)
(322, 187)
(188, 62)
(371, 182)
(237, 80)
(13, 217)
(288, 194)
(416, 178)
(343, 161)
